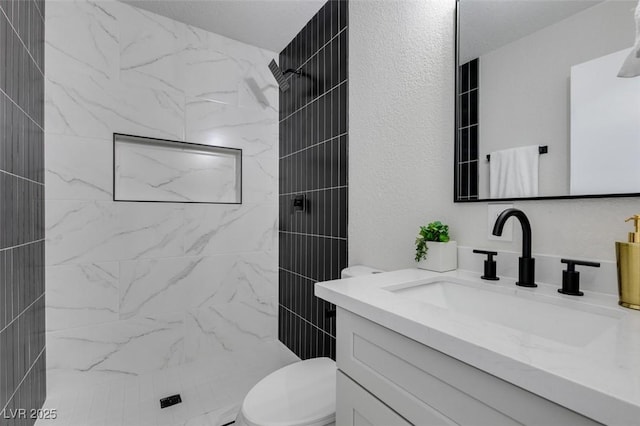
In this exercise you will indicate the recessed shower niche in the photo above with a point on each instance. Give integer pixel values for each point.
(148, 169)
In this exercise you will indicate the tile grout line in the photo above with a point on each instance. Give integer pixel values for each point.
(326, 92)
(468, 126)
(21, 313)
(335, 207)
(468, 91)
(299, 275)
(22, 42)
(314, 145)
(22, 245)
(21, 177)
(303, 234)
(23, 379)
(314, 190)
(22, 110)
(38, 9)
(308, 322)
(318, 50)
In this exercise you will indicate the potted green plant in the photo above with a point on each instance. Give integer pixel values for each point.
(434, 249)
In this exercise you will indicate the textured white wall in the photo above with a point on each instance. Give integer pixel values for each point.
(135, 287)
(401, 120)
(401, 125)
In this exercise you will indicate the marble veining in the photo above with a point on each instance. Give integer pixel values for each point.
(213, 123)
(211, 388)
(260, 169)
(79, 104)
(94, 30)
(212, 230)
(81, 295)
(149, 46)
(134, 288)
(81, 231)
(166, 282)
(85, 175)
(153, 286)
(143, 344)
(129, 348)
(162, 173)
(230, 327)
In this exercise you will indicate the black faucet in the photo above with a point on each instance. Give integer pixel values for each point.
(526, 263)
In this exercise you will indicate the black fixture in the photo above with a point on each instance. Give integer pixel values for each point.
(280, 75)
(542, 149)
(489, 265)
(571, 277)
(299, 202)
(526, 263)
(465, 174)
(170, 400)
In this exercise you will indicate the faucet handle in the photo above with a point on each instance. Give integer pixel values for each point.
(571, 277)
(489, 265)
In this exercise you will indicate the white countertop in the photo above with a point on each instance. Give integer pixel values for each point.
(600, 379)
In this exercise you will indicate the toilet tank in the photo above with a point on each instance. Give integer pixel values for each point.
(359, 270)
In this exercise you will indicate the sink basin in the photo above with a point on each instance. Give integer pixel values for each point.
(551, 319)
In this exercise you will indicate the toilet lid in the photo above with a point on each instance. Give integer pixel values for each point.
(301, 394)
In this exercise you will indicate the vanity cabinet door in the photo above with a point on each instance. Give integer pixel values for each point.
(357, 407)
(419, 382)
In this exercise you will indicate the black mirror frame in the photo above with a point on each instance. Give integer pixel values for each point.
(455, 140)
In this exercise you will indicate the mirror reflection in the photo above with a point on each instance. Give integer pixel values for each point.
(545, 107)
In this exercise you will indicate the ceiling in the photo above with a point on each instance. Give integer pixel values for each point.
(270, 24)
(489, 24)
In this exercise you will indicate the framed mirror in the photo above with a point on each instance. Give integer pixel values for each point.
(541, 112)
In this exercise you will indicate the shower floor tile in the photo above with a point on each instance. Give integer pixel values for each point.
(211, 392)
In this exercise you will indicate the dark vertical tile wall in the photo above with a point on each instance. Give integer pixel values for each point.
(22, 322)
(313, 163)
(467, 140)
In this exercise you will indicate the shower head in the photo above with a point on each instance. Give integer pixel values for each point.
(280, 76)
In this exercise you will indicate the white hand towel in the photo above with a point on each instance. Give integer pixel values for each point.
(631, 66)
(513, 173)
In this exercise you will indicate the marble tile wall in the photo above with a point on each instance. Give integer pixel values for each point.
(22, 292)
(135, 287)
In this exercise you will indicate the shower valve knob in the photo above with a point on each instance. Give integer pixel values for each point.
(299, 203)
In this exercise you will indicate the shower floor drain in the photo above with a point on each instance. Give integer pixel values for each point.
(170, 400)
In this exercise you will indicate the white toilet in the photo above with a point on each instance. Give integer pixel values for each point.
(300, 394)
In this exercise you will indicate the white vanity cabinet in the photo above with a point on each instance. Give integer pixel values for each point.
(388, 379)
(357, 407)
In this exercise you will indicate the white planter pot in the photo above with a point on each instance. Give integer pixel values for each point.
(441, 257)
